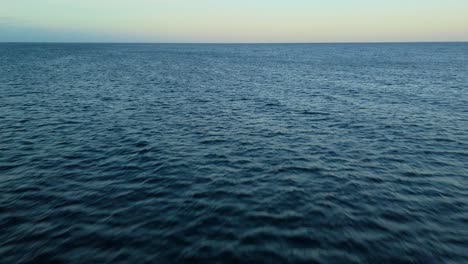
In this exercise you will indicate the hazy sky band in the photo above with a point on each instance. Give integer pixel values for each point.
(233, 21)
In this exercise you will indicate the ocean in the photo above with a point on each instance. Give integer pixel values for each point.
(235, 153)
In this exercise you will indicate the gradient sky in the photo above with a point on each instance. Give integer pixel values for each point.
(233, 20)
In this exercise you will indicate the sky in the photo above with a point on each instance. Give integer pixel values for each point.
(238, 21)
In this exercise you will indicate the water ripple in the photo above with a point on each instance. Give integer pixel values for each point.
(352, 153)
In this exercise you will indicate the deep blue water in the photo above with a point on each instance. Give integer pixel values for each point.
(152, 153)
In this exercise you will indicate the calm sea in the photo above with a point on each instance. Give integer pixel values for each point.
(166, 153)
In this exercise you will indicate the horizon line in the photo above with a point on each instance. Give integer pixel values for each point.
(227, 43)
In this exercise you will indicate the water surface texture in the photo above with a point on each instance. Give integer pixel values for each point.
(164, 153)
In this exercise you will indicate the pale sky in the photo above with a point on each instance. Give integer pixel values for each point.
(233, 20)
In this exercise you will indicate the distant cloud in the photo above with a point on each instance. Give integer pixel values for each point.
(16, 30)
(13, 21)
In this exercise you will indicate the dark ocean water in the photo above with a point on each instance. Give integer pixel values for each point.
(327, 153)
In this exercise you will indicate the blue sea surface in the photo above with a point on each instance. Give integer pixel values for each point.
(174, 153)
